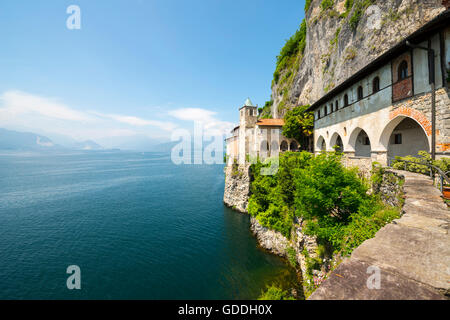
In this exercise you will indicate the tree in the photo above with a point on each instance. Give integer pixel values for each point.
(299, 125)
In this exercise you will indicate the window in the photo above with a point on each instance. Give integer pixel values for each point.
(326, 110)
(403, 70)
(376, 85)
(331, 108)
(360, 93)
(398, 138)
(318, 114)
(366, 141)
(337, 105)
(345, 101)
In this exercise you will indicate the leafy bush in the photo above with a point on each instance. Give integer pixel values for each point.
(292, 47)
(298, 124)
(360, 7)
(275, 293)
(292, 256)
(307, 5)
(266, 111)
(332, 200)
(326, 4)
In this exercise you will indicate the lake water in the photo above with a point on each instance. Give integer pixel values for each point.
(138, 226)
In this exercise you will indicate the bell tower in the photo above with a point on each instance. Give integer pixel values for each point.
(248, 116)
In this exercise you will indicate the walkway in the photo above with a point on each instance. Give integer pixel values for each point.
(412, 253)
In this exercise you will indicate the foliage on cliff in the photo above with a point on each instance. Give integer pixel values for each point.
(275, 293)
(299, 124)
(332, 199)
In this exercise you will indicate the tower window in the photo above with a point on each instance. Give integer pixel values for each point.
(403, 70)
(398, 138)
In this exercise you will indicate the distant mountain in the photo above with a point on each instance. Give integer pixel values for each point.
(87, 145)
(13, 140)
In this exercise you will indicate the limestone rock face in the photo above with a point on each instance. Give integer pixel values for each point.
(270, 240)
(237, 187)
(335, 51)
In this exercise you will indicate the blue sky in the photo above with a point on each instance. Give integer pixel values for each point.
(139, 66)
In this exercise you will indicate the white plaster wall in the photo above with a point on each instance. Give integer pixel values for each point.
(373, 103)
(413, 141)
(420, 61)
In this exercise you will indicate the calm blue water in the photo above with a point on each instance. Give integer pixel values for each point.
(138, 226)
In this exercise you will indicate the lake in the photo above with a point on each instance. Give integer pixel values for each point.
(138, 226)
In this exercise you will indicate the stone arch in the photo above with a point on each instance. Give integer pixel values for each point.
(293, 146)
(321, 144)
(360, 142)
(397, 116)
(336, 140)
(284, 146)
(413, 137)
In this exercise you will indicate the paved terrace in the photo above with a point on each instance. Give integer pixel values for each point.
(413, 253)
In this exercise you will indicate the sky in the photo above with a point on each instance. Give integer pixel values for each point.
(137, 68)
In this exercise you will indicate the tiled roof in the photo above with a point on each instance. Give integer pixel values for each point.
(271, 122)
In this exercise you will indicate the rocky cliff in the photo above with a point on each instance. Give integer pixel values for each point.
(237, 187)
(342, 36)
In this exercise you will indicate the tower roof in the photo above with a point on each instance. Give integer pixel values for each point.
(248, 103)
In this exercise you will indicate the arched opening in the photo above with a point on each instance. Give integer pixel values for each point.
(294, 146)
(321, 144)
(284, 146)
(339, 145)
(360, 93)
(336, 142)
(403, 70)
(337, 105)
(346, 101)
(376, 85)
(407, 139)
(360, 141)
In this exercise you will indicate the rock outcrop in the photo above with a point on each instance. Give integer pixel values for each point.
(237, 187)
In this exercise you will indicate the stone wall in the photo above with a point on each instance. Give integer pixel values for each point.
(363, 164)
(390, 188)
(419, 108)
(237, 187)
(278, 244)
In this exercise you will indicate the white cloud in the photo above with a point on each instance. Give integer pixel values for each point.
(207, 118)
(16, 103)
(24, 111)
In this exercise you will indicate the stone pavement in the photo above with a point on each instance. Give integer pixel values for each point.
(412, 253)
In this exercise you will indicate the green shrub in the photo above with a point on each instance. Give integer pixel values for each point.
(360, 7)
(332, 200)
(292, 256)
(298, 124)
(326, 4)
(275, 293)
(294, 45)
(307, 5)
